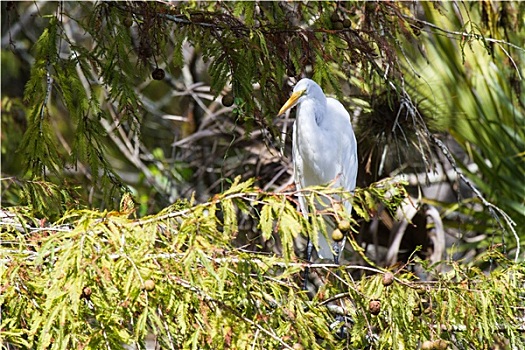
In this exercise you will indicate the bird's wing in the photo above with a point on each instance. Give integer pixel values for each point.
(298, 172)
(346, 149)
(305, 176)
(302, 178)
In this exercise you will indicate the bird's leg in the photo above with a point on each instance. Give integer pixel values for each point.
(342, 333)
(309, 250)
(337, 251)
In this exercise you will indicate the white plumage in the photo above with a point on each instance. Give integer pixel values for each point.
(324, 146)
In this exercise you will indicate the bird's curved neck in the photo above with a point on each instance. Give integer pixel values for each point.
(318, 107)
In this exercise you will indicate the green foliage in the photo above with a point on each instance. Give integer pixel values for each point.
(38, 146)
(96, 131)
(102, 279)
(475, 86)
(89, 83)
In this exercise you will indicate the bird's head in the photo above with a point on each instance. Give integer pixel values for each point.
(305, 88)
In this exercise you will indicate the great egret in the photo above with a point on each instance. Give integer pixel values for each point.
(324, 150)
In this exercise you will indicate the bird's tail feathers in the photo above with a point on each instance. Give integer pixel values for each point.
(325, 250)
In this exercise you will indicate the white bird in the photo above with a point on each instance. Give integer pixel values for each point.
(324, 149)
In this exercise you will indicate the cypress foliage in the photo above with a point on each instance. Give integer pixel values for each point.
(145, 207)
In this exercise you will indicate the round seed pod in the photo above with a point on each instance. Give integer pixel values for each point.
(227, 101)
(338, 25)
(337, 235)
(374, 307)
(388, 279)
(344, 225)
(158, 74)
(334, 17)
(86, 293)
(347, 23)
(149, 285)
(427, 345)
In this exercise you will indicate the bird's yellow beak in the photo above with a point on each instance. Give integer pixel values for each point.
(291, 101)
